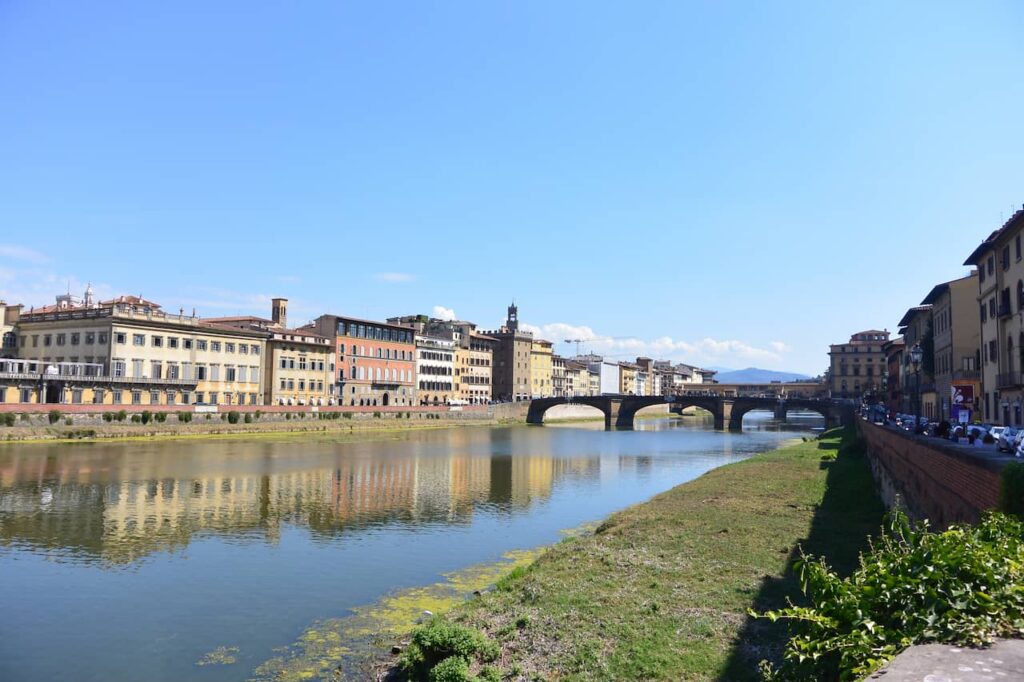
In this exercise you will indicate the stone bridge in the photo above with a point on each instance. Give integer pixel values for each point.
(620, 410)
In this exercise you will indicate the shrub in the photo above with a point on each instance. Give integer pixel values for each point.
(434, 645)
(121, 416)
(348, 415)
(376, 415)
(208, 417)
(70, 421)
(136, 419)
(108, 416)
(248, 418)
(7, 418)
(961, 586)
(451, 669)
(184, 417)
(54, 416)
(147, 416)
(160, 416)
(258, 414)
(288, 416)
(25, 417)
(233, 417)
(1011, 489)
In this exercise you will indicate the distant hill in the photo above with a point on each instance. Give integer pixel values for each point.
(753, 375)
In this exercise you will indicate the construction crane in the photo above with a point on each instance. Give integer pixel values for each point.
(577, 342)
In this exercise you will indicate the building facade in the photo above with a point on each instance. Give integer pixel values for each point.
(511, 371)
(474, 360)
(435, 370)
(376, 361)
(541, 370)
(129, 351)
(956, 344)
(1000, 301)
(627, 378)
(856, 367)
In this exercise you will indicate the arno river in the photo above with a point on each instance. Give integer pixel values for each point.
(125, 561)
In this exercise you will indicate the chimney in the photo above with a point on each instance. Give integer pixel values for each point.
(279, 311)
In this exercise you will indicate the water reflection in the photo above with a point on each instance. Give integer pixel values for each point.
(173, 549)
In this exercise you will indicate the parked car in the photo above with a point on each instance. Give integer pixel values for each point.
(997, 431)
(1006, 439)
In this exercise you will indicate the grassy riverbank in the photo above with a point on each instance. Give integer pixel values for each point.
(661, 590)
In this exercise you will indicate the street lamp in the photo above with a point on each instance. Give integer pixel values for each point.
(885, 391)
(916, 355)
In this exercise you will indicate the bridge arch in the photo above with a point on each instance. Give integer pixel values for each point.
(539, 406)
(741, 406)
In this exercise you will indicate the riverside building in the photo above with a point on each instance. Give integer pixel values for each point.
(129, 351)
(376, 361)
(857, 365)
(511, 372)
(298, 365)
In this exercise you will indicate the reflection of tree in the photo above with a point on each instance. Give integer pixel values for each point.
(117, 504)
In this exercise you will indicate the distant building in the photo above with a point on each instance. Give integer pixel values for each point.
(955, 346)
(627, 378)
(435, 370)
(541, 371)
(9, 315)
(856, 366)
(298, 366)
(559, 384)
(513, 347)
(376, 361)
(129, 351)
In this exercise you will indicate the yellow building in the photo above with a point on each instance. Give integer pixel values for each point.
(299, 363)
(541, 383)
(128, 351)
(474, 360)
(627, 378)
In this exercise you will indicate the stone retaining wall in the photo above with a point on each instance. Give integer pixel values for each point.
(933, 479)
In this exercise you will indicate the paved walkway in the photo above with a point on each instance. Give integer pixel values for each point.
(944, 663)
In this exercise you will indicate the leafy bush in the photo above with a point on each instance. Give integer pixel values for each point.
(376, 414)
(1011, 489)
(108, 416)
(54, 416)
(147, 416)
(121, 416)
(258, 414)
(451, 669)
(25, 417)
(136, 418)
(233, 417)
(160, 417)
(435, 644)
(184, 417)
(288, 415)
(248, 418)
(7, 418)
(69, 421)
(961, 586)
(348, 415)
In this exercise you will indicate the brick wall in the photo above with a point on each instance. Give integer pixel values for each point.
(936, 480)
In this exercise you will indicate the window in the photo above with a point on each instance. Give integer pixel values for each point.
(254, 349)
(1006, 257)
(170, 397)
(117, 367)
(213, 398)
(302, 362)
(229, 374)
(214, 372)
(184, 398)
(138, 339)
(158, 342)
(229, 348)
(243, 348)
(156, 370)
(136, 397)
(186, 344)
(172, 371)
(991, 264)
(137, 368)
(154, 397)
(97, 396)
(90, 338)
(200, 344)
(61, 338)
(200, 398)
(215, 346)
(172, 341)
(75, 338)
(47, 340)
(200, 375)
(241, 374)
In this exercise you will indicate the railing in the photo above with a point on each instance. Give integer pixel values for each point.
(1009, 380)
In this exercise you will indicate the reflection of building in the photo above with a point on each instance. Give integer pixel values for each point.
(110, 506)
(129, 351)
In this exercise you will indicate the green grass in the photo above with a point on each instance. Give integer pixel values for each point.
(661, 590)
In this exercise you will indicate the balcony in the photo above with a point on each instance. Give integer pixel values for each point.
(1009, 380)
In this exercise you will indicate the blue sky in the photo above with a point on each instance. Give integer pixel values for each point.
(723, 183)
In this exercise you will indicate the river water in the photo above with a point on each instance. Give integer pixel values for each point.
(124, 561)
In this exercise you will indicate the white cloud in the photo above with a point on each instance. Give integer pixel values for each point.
(394, 277)
(706, 351)
(22, 253)
(442, 313)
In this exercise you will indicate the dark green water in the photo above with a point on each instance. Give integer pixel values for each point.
(130, 561)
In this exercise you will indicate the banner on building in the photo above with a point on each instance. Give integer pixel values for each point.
(962, 394)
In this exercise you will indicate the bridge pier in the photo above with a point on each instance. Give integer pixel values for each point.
(780, 412)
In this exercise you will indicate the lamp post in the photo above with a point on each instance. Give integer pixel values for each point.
(916, 355)
(885, 392)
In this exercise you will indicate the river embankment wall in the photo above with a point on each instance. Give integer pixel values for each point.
(931, 478)
(49, 422)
